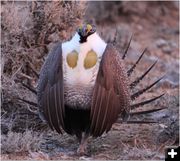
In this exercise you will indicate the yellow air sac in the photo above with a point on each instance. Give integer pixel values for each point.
(90, 60)
(72, 59)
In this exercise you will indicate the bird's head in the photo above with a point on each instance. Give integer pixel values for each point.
(84, 31)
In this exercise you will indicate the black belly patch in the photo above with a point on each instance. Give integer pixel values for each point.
(76, 120)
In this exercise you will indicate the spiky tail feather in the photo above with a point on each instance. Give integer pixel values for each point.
(145, 112)
(125, 53)
(33, 70)
(136, 105)
(129, 72)
(136, 122)
(136, 82)
(28, 102)
(140, 92)
(29, 88)
(141, 122)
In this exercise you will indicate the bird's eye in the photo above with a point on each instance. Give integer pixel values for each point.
(90, 60)
(72, 59)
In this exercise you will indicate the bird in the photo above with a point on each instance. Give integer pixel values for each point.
(84, 88)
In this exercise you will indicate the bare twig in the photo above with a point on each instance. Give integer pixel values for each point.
(26, 76)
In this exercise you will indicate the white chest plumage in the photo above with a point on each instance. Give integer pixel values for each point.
(79, 75)
(79, 81)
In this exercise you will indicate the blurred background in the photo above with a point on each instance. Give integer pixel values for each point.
(29, 30)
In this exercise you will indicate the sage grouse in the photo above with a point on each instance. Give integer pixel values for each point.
(83, 87)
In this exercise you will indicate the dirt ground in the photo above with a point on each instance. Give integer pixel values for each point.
(153, 25)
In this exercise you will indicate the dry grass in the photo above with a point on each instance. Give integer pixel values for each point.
(21, 142)
(30, 30)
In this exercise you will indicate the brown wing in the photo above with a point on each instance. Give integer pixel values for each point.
(111, 93)
(50, 90)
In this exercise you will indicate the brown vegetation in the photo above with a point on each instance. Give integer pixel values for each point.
(29, 32)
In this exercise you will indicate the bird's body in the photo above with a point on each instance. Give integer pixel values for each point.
(79, 82)
(83, 87)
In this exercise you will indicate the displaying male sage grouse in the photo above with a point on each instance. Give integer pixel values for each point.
(83, 87)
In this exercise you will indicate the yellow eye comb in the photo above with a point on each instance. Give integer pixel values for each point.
(89, 27)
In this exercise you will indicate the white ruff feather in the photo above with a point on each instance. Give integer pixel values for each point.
(79, 75)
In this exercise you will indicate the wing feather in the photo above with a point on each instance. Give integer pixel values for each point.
(95, 108)
(60, 103)
(47, 107)
(101, 111)
(111, 93)
(105, 119)
(50, 90)
(114, 113)
(53, 109)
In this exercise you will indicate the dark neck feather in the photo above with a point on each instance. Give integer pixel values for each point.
(83, 39)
